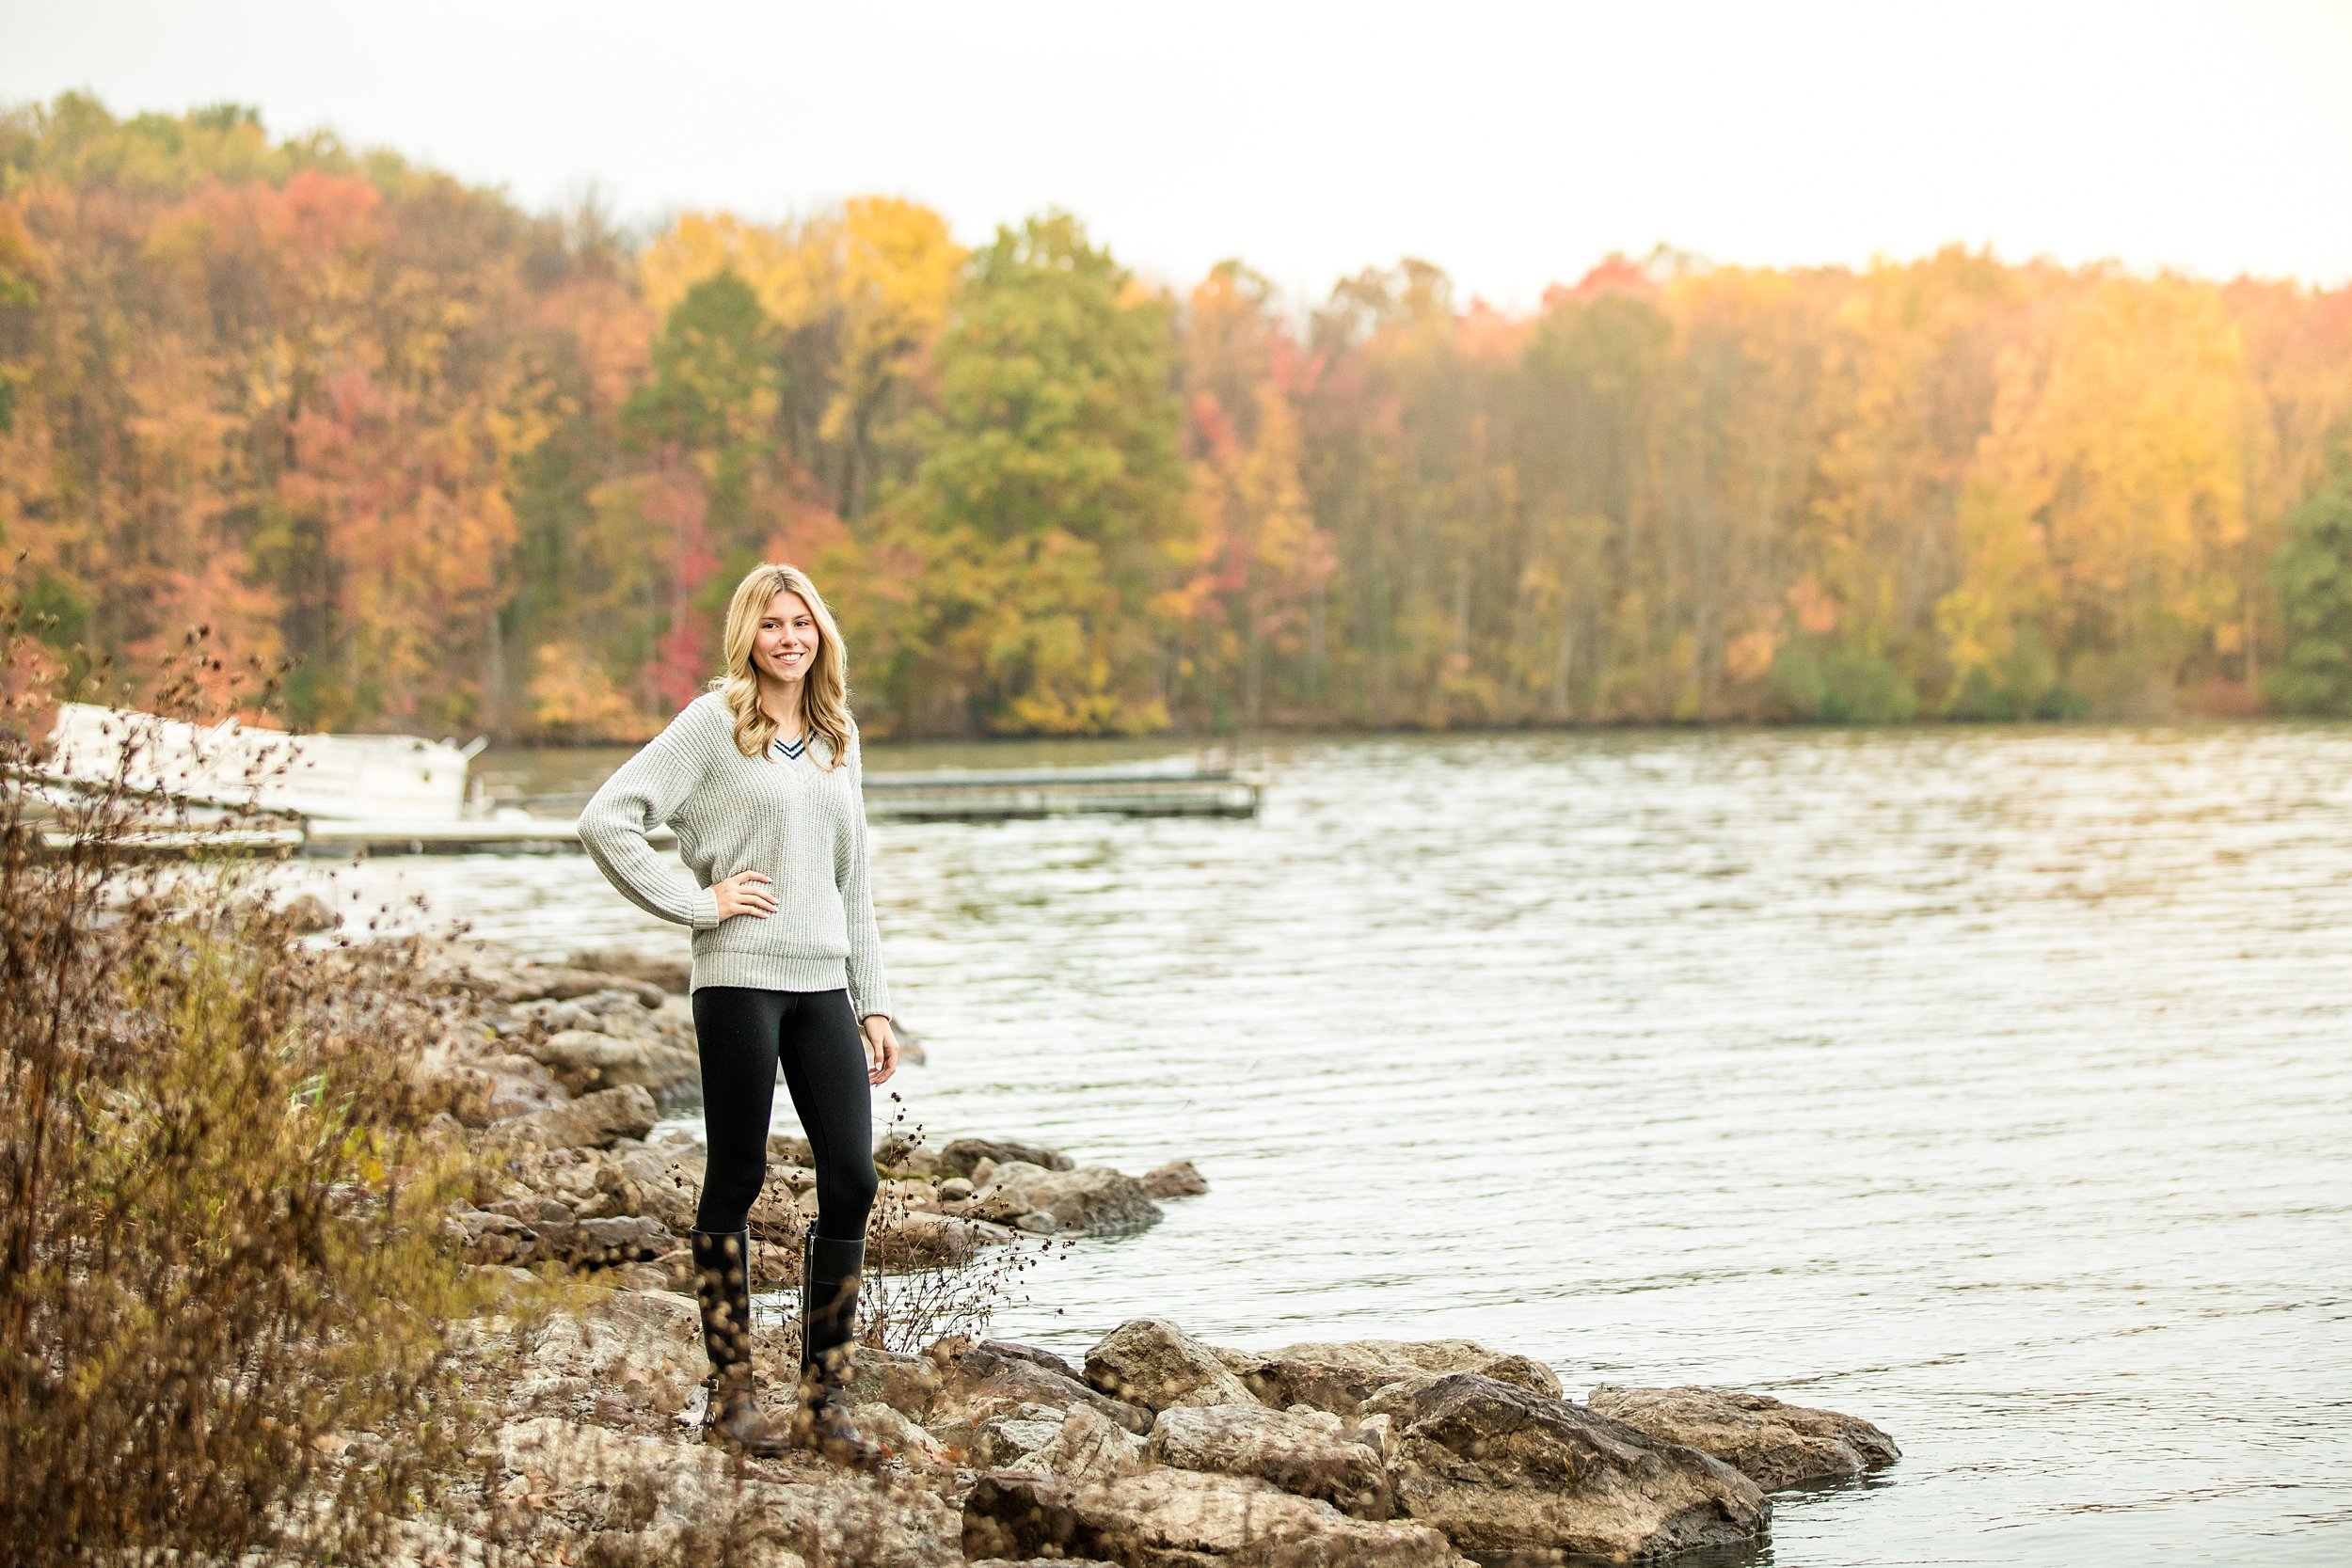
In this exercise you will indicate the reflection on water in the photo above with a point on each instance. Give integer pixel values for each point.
(1990, 1083)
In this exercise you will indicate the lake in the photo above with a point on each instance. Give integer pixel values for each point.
(1994, 1084)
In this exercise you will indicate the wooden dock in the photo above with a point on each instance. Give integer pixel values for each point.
(949, 795)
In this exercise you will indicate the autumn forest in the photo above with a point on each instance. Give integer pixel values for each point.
(470, 468)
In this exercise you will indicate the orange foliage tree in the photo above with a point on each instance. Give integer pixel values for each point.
(474, 467)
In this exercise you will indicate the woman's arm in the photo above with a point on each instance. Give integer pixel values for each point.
(869, 993)
(640, 797)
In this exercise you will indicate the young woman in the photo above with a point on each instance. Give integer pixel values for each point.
(760, 778)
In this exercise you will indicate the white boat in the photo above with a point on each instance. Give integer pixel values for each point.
(343, 776)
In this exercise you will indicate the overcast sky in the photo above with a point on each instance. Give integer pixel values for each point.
(1513, 144)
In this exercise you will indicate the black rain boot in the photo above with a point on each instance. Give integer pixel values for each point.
(722, 1286)
(828, 1282)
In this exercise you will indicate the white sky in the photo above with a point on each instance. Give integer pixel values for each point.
(1513, 144)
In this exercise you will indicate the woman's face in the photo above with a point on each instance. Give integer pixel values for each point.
(785, 644)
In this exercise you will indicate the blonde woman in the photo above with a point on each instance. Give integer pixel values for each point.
(759, 776)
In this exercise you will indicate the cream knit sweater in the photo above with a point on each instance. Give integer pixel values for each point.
(801, 823)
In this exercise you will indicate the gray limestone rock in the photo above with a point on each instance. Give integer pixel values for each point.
(985, 1383)
(1502, 1470)
(1153, 1363)
(964, 1153)
(1307, 1453)
(1176, 1178)
(1772, 1444)
(592, 1121)
(1089, 1445)
(585, 1060)
(1173, 1517)
(1339, 1375)
(1097, 1199)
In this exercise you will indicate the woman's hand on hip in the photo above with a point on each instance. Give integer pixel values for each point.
(741, 894)
(881, 1048)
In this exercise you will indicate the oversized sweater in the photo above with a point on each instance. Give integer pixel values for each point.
(790, 816)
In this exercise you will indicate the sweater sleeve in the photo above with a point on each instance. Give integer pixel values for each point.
(869, 993)
(642, 794)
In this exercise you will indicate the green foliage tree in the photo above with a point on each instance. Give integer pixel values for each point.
(712, 392)
(1842, 684)
(2313, 576)
(1048, 514)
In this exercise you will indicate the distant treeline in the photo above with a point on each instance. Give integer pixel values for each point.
(482, 469)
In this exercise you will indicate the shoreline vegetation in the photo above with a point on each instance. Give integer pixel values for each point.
(326, 1247)
(469, 469)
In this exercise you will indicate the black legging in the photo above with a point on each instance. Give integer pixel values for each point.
(743, 1033)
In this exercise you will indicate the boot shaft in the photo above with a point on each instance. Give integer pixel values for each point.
(829, 1270)
(723, 1289)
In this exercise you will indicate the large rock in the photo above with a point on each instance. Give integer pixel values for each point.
(1006, 1442)
(486, 1237)
(517, 1085)
(572, 1176)
(592, 1121)
(1176, 1178)
(964, 1154)
(672, 972)
(585, 1060)
(1098, 1200)
(1180, 1519)
(1088, 1446)
(687, 1502)
(1012, 1350)
(1502, 1470)
(1078, 1443)
(1430, 1355)
(899, 1438)
(464, 1089)
(1306, 1453)
(531, 982)
(985, 1383)
(602, 1243)
(907, 1383)
(637, 1497)
(654, 1182)
(544, 1230)
(1158, 1366)
(915, 1239)
(902, 1149)
(1339, 1375)
(624, 1359)
(1772, 1444)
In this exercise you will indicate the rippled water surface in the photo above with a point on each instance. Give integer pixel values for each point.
(1994, 1085)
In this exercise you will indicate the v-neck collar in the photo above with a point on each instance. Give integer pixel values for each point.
(791, 751)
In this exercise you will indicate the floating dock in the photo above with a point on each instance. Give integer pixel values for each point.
(950, 795)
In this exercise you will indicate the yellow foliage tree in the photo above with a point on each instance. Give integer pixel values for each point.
(2107, 502)
(860, 294)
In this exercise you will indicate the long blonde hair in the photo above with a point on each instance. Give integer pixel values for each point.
(824, 690)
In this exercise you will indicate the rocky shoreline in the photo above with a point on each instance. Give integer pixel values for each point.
(1156, 1450)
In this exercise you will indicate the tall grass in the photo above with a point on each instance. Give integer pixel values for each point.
(222, 1273)
(919, 1293)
